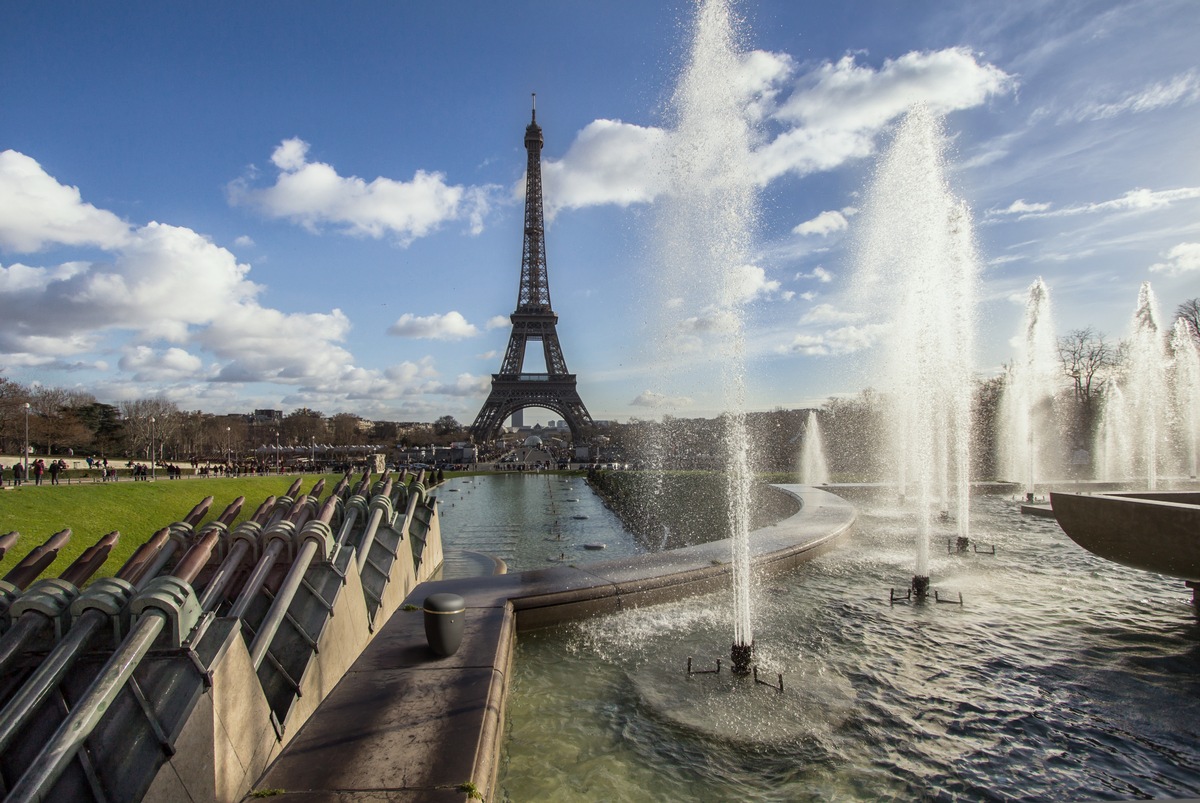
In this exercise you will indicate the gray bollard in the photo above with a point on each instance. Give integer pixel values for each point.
(445, 615)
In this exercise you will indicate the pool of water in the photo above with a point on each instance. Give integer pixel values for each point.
(1061, 677)
(529, 520)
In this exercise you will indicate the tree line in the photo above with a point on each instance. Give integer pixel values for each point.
(71, 422)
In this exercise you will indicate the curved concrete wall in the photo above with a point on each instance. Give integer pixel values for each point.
(407, 725)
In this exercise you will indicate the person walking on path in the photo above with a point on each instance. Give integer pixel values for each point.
(39, 468)
(18, 475)
(55, 466)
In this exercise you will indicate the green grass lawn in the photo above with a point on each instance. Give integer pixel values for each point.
(135, 509)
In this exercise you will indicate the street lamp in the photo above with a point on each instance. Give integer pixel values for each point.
(151, 447)
(278, 467)
(26, 458)
(228, 445)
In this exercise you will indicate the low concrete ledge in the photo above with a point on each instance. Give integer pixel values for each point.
(405, 725)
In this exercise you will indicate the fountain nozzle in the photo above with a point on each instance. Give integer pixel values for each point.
(740, 656)
(920, 586)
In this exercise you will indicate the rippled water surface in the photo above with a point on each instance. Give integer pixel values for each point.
(1062, 677)
(530, 520)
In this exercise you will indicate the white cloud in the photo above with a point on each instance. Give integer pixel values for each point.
(713, 320)
(836, 342)
(451, 326)
(819, 273)
(825, 223)
(835, 112)
(845, 96)
(609, 162)
(1182, 89)
(827, 313)
(828, 116)
(314, 195)
(1020, 207)
(164, 280)
(654, 399)
(1182, 259)
(750, 282)
(1139, 200)
(149, 365)
(245, 241)
(498, 322)
(267, 345)
(167, 287)
(36, 211)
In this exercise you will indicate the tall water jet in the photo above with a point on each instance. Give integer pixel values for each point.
(1185, 377)
(1114, 440)
(705, 231)
(1145, 386)
(1029, 427)
(918, 263)
(814, 469)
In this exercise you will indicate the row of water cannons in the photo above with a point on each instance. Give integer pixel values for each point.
(156, 600)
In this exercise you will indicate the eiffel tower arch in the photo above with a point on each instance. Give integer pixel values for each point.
(534, 320)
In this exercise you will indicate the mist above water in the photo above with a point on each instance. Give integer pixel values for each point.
(918, 265)
(814, 468)
(1028, 437)
(703, 237)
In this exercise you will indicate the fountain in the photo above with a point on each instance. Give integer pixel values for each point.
(1027, 414)
(918, 262)
(1141, 407)
(705, 236)
(1185, 377)
(881, 702)
(814, 469)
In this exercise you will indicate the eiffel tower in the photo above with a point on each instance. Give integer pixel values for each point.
(512, 388)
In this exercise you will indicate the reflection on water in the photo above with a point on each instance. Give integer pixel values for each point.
(530, 520)
(1063, 677)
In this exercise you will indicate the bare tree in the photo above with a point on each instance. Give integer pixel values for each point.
(302, 426)
(13, 396)
(1088, 359)
(141, 430)
(1190, 312)
(55, 417)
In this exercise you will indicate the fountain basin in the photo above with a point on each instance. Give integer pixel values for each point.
(398, 717)
(1154, 531)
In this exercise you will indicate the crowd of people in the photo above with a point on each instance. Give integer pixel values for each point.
(38, 470)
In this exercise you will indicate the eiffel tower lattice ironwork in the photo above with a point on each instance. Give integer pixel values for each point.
(534, 319)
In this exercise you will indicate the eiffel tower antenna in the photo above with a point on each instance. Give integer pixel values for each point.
(533, 320)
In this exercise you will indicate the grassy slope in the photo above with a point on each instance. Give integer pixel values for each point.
(135, 509)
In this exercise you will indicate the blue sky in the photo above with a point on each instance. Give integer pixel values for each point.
(241, 205)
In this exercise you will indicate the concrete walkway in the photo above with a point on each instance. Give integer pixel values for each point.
(404, 725)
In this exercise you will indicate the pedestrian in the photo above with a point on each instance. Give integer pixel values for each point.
(39, 468)
(54, 469)
(18, 475)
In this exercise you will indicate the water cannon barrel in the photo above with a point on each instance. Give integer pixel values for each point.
(317, 489)
(231, 511)
(198, 513)
(8, 541)
(140, 560)
(263, 512)
(196, 557)
(91, 560)
(160, 558)
(37, 560)
(316, 540)
(381, 507)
